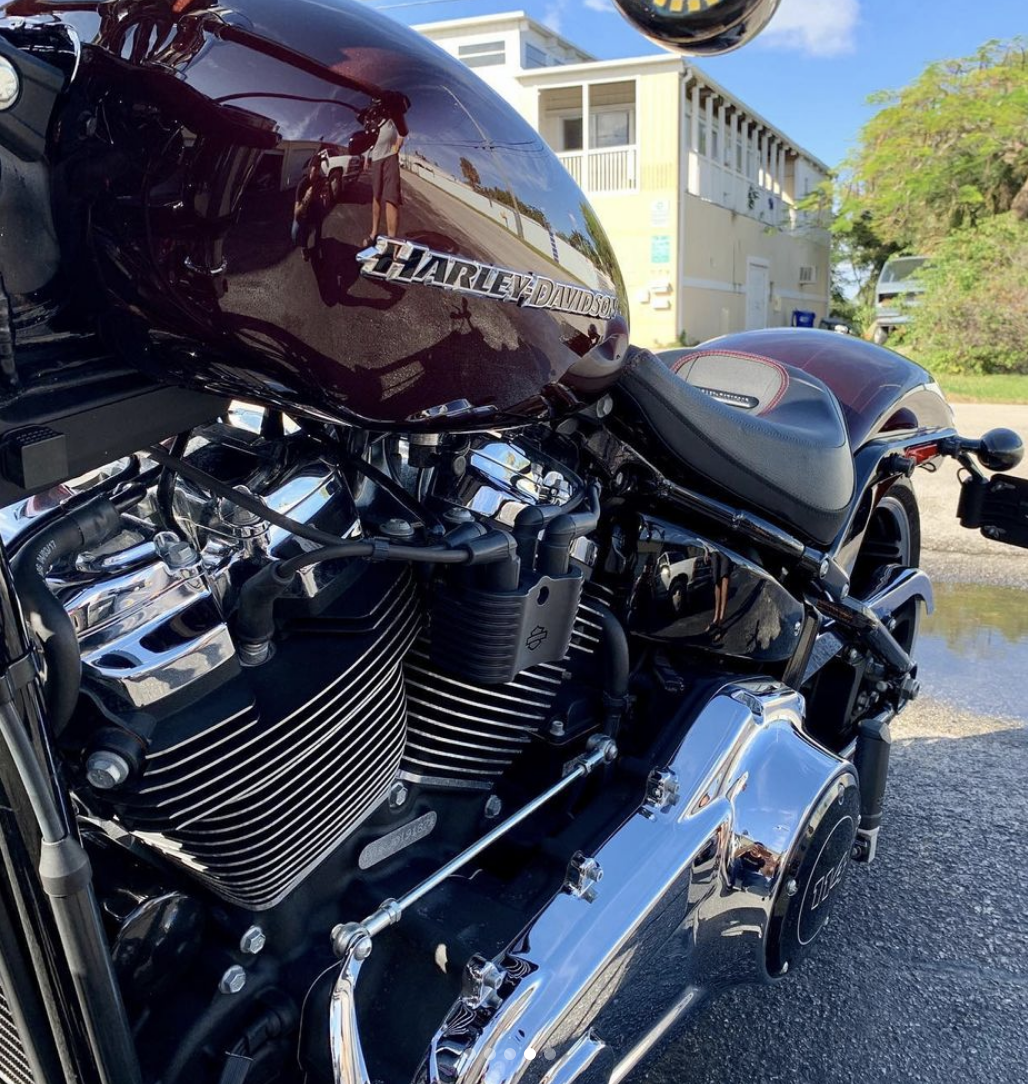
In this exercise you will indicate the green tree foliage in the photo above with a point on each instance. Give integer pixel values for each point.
(974, 314)
(945, 152)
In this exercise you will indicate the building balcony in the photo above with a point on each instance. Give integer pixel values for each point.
(613, 169)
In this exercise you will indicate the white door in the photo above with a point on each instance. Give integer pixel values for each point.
(758, 291)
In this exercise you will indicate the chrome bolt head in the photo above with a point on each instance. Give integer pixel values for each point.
(175, 552)
(233, 980)
(791, 887)
(10, 84)
(252, 941)
(106, 770)
(398, 795)
(493, 807)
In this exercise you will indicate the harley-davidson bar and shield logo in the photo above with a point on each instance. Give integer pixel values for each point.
(407, 262)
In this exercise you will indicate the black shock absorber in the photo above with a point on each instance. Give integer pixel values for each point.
(871, 759)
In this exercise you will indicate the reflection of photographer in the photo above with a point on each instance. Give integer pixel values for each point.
(313, 200)
(385, 165)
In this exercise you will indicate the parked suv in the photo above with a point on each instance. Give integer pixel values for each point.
(897, 290)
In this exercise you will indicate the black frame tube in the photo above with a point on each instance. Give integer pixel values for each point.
(63, 873)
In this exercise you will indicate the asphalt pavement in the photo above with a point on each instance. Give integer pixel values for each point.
(922, 974)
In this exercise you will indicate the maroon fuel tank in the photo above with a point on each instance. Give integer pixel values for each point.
(308, 204)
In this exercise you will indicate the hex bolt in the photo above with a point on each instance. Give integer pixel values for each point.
(398, 795)
(252, 941)
(398, 529)
(233, 980)
(175, 552)
(106, 770)
(557, 728)
(493, 807)
(791, 887)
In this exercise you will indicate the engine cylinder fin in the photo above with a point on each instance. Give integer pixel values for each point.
(14, 1063)
(460, 730)
(255, 801)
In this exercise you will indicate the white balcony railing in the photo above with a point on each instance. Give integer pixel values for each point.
(572, 162)
(615, 169)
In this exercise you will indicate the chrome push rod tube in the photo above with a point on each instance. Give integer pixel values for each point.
(602, 750)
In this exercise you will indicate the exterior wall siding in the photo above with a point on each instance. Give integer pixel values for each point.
(644, 226)
(716, 244)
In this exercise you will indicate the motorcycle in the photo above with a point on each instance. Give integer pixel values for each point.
(403, 677)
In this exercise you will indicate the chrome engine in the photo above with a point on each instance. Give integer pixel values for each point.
(356, 764)
(249, 776)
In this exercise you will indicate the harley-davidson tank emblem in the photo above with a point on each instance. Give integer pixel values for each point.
(407, 262)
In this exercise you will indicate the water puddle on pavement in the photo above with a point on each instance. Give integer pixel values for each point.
(973, 651)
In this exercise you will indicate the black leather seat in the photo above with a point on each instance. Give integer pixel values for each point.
(770, 435)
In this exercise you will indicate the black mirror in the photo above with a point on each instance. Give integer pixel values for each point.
(699, 27)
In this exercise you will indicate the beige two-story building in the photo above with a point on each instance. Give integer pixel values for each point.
(697, 191)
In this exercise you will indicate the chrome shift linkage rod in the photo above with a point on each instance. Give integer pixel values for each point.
(353, 941)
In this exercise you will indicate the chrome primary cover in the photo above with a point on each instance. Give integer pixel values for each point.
(723, 876)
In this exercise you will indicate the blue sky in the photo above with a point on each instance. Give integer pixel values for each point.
(811, 72)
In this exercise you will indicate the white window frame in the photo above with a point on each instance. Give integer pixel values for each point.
(597, 110)
(483, 54)
(548, 60)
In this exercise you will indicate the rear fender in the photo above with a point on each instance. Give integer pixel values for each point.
(881, 392)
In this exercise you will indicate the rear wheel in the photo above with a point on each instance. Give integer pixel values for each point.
(841, 693)
(893, 536)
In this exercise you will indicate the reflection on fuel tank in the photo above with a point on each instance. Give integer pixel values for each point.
(386, 118)
(313, 202)
(252, 154)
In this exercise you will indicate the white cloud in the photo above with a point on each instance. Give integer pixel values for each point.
(819, 28)
(553, 16)
(600, 5)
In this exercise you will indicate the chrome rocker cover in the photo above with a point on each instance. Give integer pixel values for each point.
(722, 876)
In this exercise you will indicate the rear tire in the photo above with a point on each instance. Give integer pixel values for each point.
(893, 537)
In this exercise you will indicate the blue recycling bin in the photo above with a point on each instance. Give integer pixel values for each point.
(802, 318)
